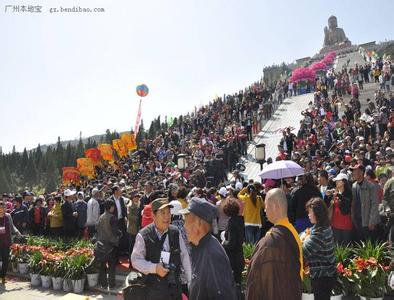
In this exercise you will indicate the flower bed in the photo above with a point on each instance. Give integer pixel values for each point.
(69, 260)
(362, 270)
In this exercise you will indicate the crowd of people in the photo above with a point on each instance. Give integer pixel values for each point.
(183, 225)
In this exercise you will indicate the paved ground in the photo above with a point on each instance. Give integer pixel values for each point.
(15, 289)
(355, 58)
(289, 114)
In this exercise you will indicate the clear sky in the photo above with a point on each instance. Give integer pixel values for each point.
(62, 73)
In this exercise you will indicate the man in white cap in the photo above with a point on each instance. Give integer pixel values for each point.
(93, 212)
(69, 215)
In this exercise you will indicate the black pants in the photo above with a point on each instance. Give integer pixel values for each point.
(322, 287)
(5, 256)
(160, 291)
(249, 133)
(56, 231)
(37, 229)
(124, 239)
(92, 231)
(108, 270)
(342, 237)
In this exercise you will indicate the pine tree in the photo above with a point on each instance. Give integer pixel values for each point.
(52, 177)
(80, 148)
(23, 162)
(151, 131)
(108, 136)
(59, 154)
(30, 173)
(69, 156)
(4, 184)
(38, 161)
(158, 125)
(141, 133)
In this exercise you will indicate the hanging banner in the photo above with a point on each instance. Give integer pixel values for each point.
(85, 167)
(128, 140)
(106, 152)
(137, 122)
(94, 154)
(120, 147)
(70, 174)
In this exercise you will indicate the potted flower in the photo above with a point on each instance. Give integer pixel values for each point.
(21, 256)
(92, 272)
(45, 272)
(345, 283)
(77, 272)
(35, 268)
(371, 269)
(59, 271)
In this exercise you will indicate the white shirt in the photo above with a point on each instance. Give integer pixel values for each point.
(118, 207)
(141, 264)
(93, 212)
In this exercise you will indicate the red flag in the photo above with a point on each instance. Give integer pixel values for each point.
(70, 174)
(94, 154)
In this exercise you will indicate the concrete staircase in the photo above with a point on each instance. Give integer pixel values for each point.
(288, 114)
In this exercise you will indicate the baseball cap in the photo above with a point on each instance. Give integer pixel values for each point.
(68, 193)
(223, 191)
(238, 186)
(341, 176)
(202, 209)
(160, 203)
(176, 207)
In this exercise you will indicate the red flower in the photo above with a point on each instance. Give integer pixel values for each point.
(360, 264)
(340, 268)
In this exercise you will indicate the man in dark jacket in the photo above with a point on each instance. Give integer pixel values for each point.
(107, 243)
(69, 215)
(121, 215)
(20, 215)
(212, 276)
(300, 197)
(81, 208)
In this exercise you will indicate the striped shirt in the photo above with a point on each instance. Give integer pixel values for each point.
(318, 250)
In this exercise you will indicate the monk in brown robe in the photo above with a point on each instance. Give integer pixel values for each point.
(276, 267)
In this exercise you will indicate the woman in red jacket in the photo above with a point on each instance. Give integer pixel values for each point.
(341, 221)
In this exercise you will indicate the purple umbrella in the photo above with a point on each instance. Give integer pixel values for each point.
(281, 169)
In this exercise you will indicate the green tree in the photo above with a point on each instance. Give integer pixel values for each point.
(4, 184)
(23, 162)
(141, 133)
(108, 136)
(80, 149)
(52, 177)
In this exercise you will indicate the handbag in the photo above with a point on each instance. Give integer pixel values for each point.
(136, 288)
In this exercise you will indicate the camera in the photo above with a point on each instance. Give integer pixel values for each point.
(170, 266)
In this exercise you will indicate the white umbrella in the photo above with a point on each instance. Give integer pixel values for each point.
(281, 169)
